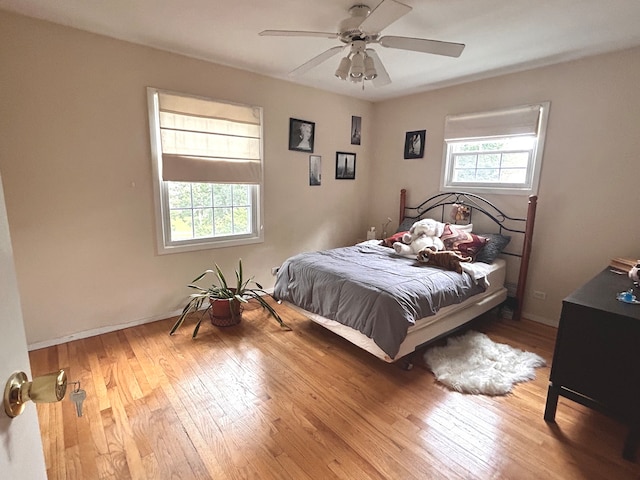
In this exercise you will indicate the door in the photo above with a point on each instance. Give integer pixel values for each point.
(21, 454)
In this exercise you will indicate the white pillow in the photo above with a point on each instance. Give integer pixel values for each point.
(464, 228)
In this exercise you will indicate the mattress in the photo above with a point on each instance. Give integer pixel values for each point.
(431, 327)
(374, 290)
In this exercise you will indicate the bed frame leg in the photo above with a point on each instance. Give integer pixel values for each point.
(406, 363)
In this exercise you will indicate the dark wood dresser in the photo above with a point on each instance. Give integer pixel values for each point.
(596, 361)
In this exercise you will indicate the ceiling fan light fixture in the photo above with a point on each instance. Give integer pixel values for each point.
(343, 69)
(369, 69)
(357, 66)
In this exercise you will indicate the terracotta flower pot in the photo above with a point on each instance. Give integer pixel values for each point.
(225, 313)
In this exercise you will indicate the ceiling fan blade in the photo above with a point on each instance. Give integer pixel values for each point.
(317, 60)
(383, 76)
(436, 47)
(296, 33)
(384, 15)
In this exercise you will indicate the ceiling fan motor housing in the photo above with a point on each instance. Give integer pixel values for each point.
(350, 27)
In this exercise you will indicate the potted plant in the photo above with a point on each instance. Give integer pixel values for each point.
(231, 298)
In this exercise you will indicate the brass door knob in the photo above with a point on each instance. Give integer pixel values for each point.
(44, 389)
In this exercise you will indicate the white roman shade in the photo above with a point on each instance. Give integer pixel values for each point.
(523, 120)
(205, 141)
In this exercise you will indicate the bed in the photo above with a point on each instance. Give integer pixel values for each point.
(391, 305)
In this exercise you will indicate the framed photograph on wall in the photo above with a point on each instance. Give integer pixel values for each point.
(414, 144)
(301, 135)
(345, 166)
(315, 170)
(356, 130)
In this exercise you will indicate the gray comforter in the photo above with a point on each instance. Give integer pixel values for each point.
(371, 289)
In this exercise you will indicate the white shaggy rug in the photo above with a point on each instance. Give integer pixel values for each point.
(473, 363)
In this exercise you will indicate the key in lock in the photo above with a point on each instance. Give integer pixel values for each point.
(77, 396)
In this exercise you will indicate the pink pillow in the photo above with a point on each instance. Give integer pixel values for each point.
(465, 243)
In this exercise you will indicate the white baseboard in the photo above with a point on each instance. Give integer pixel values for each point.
(112, 328)
(108, 329)
(538, 319)
(98, 331)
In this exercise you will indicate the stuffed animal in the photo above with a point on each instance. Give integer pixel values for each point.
(460, 213)
(422, 234)
(634, 274)
(447, 259)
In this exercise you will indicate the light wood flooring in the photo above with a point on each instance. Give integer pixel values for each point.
(257, 402)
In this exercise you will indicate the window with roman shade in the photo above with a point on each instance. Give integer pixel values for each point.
(499, 151)
(207, 158)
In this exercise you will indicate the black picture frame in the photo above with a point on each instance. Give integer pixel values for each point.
(315, 170)
(345, 166)
(414, 144)
(356, 130)
(301, 135)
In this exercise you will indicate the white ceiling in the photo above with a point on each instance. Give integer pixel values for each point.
(501, 36)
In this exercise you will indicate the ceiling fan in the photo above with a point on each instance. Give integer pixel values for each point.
(360, 30)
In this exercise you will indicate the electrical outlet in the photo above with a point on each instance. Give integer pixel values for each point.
(274, 271)
(539, 295)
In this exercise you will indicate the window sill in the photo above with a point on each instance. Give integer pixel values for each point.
(489, 190)
(192, 247)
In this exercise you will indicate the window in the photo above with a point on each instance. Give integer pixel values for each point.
(498, 151)
(207, 165)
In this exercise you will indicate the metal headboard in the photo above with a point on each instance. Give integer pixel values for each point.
(478, 204)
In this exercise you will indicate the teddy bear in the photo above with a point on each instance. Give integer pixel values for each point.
(460, 212)
(448, 260)
(422, 234)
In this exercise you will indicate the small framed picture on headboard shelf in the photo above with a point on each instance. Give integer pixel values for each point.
(414, 144)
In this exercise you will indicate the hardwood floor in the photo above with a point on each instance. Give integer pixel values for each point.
(254, 401)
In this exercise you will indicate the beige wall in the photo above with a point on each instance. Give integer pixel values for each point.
(588, 187)
(76, 167)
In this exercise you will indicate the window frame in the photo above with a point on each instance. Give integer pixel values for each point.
(164, 243)
(531, 185)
